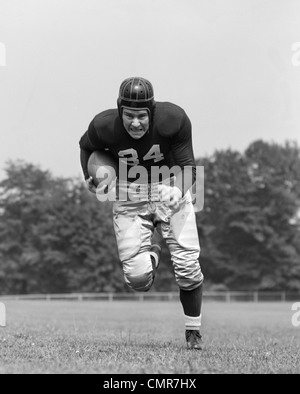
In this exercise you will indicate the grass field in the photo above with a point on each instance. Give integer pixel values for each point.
(135, 337)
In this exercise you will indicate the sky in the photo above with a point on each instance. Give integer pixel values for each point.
(233, 65)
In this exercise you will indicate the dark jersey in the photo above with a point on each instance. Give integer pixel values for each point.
(168, 142)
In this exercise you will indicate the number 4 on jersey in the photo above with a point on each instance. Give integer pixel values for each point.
(154, 154)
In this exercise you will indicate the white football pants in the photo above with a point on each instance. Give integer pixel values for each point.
(134, 224)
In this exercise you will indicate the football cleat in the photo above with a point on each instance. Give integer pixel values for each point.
(193, 339)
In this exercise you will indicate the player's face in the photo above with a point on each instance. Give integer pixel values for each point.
(136, 122)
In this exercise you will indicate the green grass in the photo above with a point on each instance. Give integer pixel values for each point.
(135, 337)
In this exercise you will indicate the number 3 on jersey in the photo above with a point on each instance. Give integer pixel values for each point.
(133, 159)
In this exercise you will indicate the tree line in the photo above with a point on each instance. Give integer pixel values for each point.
(55, 237)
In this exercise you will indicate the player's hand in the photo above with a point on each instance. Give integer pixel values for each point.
(104, 189)
(170, 195)
(90, 185)
(101, 189)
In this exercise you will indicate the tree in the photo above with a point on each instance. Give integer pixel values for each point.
(246, 228)
(54, 237)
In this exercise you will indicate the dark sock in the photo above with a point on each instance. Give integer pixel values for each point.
(191, 301)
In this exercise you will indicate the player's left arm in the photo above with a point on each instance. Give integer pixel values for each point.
(183, 155)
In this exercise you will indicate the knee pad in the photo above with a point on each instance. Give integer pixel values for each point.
(141, 283)
(139, 272)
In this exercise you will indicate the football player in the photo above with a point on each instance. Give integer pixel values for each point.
(148, 134)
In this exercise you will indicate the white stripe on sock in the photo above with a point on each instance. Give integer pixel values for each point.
(192, 323)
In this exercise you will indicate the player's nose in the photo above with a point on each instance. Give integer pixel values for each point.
(135, 122)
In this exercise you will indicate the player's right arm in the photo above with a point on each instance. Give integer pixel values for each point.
(89, 142)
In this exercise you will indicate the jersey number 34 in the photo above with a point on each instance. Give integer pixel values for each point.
(132, 157)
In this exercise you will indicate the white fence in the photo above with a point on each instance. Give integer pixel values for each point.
(233, 296)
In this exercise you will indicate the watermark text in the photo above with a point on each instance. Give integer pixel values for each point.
(296, 315)
(139, 184)
(296, 54)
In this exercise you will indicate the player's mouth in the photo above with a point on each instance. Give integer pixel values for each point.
(137, 132)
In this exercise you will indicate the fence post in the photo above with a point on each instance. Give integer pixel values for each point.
(110, 297)
(141, 297)
(2, 315)
(255, 296)
(228, 296)
(283, 296)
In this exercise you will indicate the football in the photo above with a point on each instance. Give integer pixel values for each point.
(103, 167)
